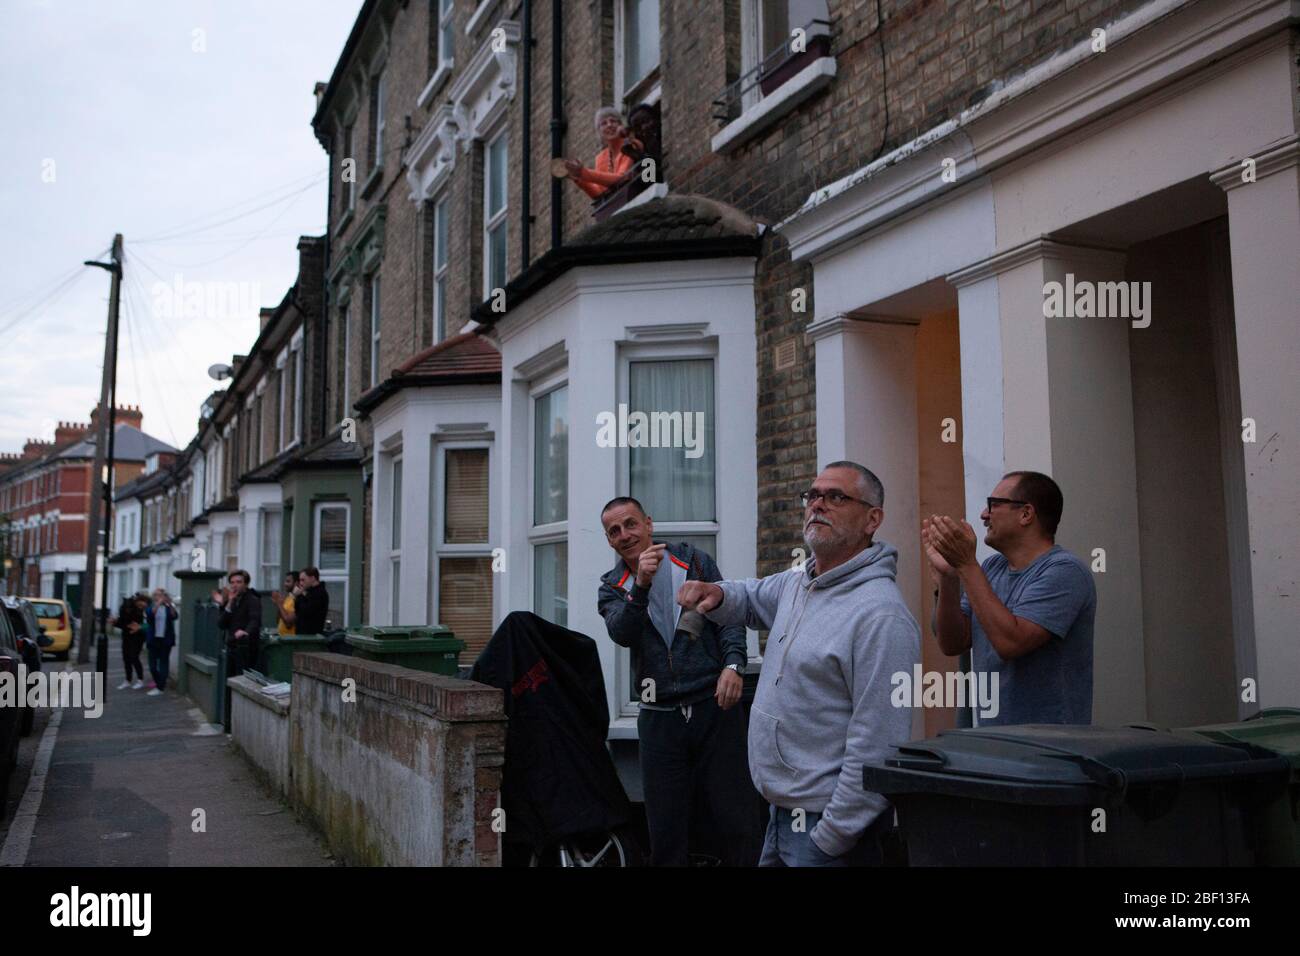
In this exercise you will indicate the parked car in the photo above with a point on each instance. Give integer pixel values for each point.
(56, 617)
(11, 718)
(30, 638)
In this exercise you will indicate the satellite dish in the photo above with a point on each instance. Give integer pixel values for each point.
(219, 372)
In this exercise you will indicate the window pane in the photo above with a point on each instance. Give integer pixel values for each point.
(674, 483)
(497, 256)
(396, 578)
(496, 172)
(270, 536)
(640, 39)
(550, 582)
(445, 40)
(551, 457)
(332, 539)
(397, 504)
(465, 506)
(440, 308)
(465, 602)
(440, 235)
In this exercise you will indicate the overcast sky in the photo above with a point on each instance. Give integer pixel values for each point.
(159, 119)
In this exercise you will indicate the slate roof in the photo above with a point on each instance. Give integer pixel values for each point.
(129, 444)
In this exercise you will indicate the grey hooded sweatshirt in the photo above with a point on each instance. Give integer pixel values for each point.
(823, 707)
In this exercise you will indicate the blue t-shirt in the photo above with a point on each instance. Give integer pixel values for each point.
(1052, 685)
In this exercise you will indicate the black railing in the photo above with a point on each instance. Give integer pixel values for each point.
(774, 69)
(207, 635)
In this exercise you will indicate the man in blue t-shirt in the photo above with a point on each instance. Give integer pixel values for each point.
(1027, 612)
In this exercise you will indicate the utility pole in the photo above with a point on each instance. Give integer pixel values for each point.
(101, 481)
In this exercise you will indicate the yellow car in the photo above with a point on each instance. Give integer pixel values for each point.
(54, 616)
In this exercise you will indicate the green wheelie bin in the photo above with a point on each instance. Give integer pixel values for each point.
(278, 650)
(1277, 824)
(431, 648)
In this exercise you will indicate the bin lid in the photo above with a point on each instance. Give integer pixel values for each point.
(1276, 730)
(444, 641)
(1057, 763)
(404, 632)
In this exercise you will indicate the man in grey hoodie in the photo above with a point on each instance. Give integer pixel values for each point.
(839, 630)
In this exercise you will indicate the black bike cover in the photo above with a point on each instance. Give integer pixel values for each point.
(559, 779)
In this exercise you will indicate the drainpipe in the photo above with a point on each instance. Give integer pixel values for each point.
(557, 116)
(526, 213)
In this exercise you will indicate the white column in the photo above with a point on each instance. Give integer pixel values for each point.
(1264, 230)
(866, 412)
(419, 512)
(1055, 394)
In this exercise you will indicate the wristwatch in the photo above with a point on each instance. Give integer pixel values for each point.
(738, 668)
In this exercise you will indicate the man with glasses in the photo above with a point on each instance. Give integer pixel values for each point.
(838, 631)
(1027, 612)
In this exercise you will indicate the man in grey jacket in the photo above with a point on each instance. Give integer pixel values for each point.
(839, 630)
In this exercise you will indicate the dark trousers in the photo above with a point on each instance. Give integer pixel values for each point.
(697, 766)
(131, 646)
(160, 654)
(241, 654)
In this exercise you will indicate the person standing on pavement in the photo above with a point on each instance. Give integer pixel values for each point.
(161, 639)
(284, 604)
(689, 678)
(241, 619)
(131, 621)
(1026, 613)
(311, 602)
(839, 631)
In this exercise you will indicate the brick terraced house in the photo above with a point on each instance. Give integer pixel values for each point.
(842, 249)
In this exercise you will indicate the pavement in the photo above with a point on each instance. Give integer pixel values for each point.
(123, 790)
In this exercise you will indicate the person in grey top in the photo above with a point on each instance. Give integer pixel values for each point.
(839, 631)
(1026, 614)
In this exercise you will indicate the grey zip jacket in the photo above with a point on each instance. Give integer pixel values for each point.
(823, 708)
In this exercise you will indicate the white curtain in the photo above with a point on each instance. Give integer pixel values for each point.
(671, 486)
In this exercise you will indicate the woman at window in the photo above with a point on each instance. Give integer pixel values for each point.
(612, 164)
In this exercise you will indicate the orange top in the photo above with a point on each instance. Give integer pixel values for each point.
(611, 166)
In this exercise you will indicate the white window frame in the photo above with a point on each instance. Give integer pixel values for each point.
(554, 531)
(441, 210)
(271, 581)
(492, 221)
(395, 537)
(346, 308)
(334, 576)
(375, 327)
(659, 352)
(296, 358)
(622, 91)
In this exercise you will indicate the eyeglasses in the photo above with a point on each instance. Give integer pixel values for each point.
(833, 498)
(992, 502)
